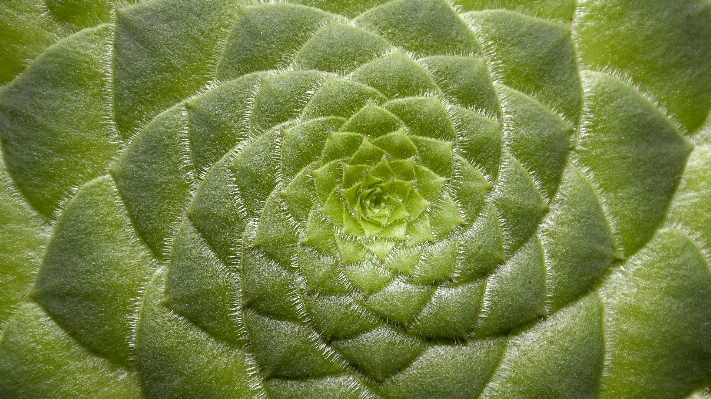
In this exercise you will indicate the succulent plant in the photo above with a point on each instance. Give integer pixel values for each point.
(349, 199)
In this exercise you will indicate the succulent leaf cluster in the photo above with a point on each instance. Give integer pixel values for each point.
(355, 199)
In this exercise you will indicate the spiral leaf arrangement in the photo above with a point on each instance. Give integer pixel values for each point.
(348, 199)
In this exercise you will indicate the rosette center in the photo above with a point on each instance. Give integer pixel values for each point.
(381, 196)
(377, 203)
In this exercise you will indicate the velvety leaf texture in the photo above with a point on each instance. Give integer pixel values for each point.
(404, 199)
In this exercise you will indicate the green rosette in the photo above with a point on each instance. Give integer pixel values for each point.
(355, 199)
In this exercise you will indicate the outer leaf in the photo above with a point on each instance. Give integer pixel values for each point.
(22, 239)
(676, 282)
(26, 29)
(653, 54)
(61, 368)
(46, 147)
